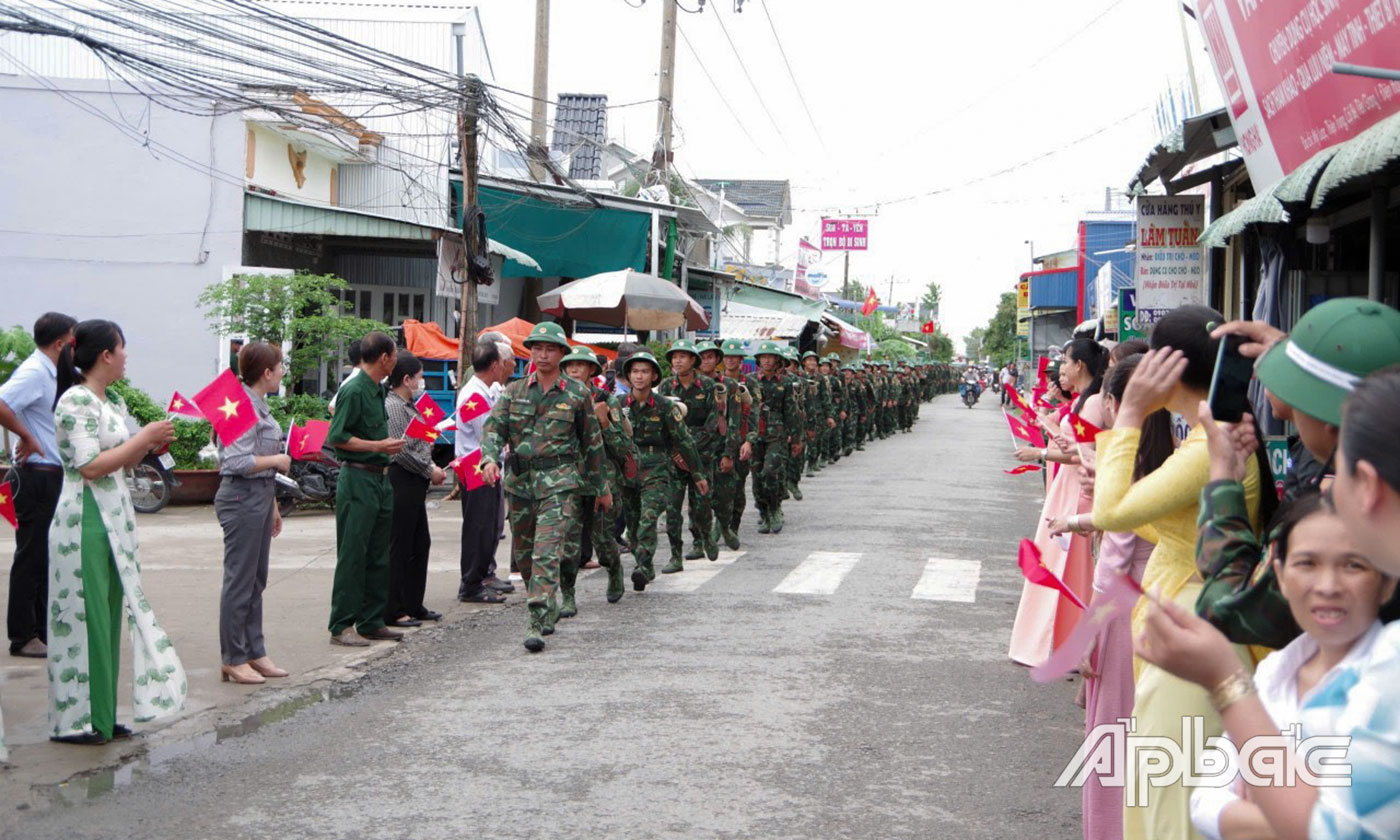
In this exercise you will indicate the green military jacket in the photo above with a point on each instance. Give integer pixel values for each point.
(359, 413)
(555, 442)
(702, 414)
(619, 450)
(837, 389)
(780, 415)
(658, 432)
(740, 421)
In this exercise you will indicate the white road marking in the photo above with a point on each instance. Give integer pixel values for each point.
(949, 580)
(697, 573)
(820, 574)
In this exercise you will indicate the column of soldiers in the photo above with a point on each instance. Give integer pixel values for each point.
(687, 441)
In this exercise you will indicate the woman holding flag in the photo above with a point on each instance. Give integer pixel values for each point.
(1045, 617)
(410, 473)
(246, 506)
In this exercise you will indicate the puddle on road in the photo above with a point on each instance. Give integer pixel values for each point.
(91, 785)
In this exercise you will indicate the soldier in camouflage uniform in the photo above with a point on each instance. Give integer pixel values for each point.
(836, 393)
(741, 394)
(547, 421)
(818, 411)
(660, 434)
(593, 530)
(710, 358)
(850, 425)
(779, 430)
(799, 433)
(703, 419)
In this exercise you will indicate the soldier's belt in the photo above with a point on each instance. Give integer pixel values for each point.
(523, 465)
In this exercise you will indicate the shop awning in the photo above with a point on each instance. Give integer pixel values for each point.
(1261, 209)
(273, 214)
(752, 323)
(1197, 138)
(849, 336)
(1370, 153)
(854, 306)
(426, 340)
(762, 297)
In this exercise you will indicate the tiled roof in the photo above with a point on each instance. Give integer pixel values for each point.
(758, 199)
(580, 130)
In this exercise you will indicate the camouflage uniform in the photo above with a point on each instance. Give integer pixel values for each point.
(741, 402)
(797, 434)
(818, 410)
(556, 456)
(778, 416)
(703, 419)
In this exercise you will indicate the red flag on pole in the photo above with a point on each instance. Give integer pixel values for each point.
(226, 406)
(1117, 599)
(1084, 431)
(304, 442)
(1038, 397)
(419, 430)
(1042, 364)
(184, 407)
(1022, 431)
(1035, 571)
(468, 470)
(428, 408)
(471, 408)
(928, 328)
(7, 505)
(1024, 468)
(1017, 400)
(872, 302)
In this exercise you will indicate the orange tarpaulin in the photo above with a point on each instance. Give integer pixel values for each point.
(426, 341)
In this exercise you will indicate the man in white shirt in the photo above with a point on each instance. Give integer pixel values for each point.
(492, 364)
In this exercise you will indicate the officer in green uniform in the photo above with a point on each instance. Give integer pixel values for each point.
(364, 501)
(593, 530)
(556, 458)
(741, 420)
(660, 435)
(779, 431)
(703, 420)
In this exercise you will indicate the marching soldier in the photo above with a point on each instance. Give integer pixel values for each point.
(547, 421)
(741, 418)
(660, 434)
(779, 424)
(703, 420)
(797, 434)
(836, 391)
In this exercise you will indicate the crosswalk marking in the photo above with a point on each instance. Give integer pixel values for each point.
(820, 574)
(697, 573)
(949, 580)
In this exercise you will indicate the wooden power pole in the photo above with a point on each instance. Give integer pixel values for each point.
(466, 137)
(661, 158)
(539, 149)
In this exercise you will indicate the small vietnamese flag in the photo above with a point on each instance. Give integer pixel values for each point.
(428, 408)
(927, 328)
(468, 470)
(1035, 571)
(304, 442)
(1024, 468)
(419, 430)
(1117, 599)
(184, 407)
(1084, 431)
(471, 408)
(1017, 400)
(226, 406)
(1038, 396)
(7, 505)
(1041, 366)
(1021, 431)
(872, 302)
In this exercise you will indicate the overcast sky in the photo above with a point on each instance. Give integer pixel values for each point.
(907, 99)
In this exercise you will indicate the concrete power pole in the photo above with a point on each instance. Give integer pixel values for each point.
(539, 148)
(661, 157)
(466, 136)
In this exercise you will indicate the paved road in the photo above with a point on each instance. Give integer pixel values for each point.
(847, 678)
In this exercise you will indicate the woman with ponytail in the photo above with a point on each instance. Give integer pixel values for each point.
(1045, 617)
(94, 574)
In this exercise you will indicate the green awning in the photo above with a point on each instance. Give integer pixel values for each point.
(1297, 186)
(1259, 210)
(279, 215)
(566, 240)
(1367, 154)
(764, 298)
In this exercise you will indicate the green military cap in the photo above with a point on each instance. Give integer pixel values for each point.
(790, 353)
(767, 348)
(832, 357)
(732, 347)
(706, 346)
(1333, 347)
(683, 345)
(547, 332)
(583, 354)
(809, 353)
(641, 356)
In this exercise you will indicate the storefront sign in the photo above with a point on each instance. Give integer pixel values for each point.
(1167, 261)
(1134, 322)
(1274, 59)
(1023, 308)
(845, 234)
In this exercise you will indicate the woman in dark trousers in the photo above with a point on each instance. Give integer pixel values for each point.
(409, 474)
(246, 506)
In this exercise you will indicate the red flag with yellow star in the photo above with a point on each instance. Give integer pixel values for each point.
(7, 505)
(226, 406)
(1035, 571)
(1084, 431)
(184, 407)
(468, 470)
(304, 442)
(429, 410)
(419, 430)
(1024, 468)
(1117, 599)
(872, 302)
(471, 408)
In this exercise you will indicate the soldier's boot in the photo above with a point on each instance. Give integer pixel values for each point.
(551, 617)
(731, 538)
(697, 550)
(569, 608)
(674, 566)
(534, 636)
(776, 520)
(615, 586)
(711, 546)
(640, 578)
(794, 492)
(763, 522)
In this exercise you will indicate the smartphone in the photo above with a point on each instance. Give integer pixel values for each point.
(1229, 384)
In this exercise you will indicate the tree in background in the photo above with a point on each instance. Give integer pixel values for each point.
(301, 309)
(999, 341)
(928, 304)
(941, 345)
(972, 345)
(15, 346)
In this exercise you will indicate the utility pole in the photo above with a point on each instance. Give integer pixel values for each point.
(846, 278)
(466, 137)
(1190, 62)
(661, 157)
(539, 149)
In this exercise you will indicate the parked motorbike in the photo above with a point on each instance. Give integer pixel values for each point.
(152, 482)
(308, 481)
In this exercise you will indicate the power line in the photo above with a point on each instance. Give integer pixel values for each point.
(722, 98)
(783, 52)
(742, 66)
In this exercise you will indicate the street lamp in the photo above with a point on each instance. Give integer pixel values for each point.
(1031, 243)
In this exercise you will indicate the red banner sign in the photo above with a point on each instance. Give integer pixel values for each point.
(845, 234)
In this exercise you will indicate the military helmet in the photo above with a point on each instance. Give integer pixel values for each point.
(767, 348)
(732, 347)
(706, 346)
(810, 354)
(583, 354)
(547, 332)
(642, 356)
(790, 353)
(683, 345)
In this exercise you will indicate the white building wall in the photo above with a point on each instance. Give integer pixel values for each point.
(98, 225)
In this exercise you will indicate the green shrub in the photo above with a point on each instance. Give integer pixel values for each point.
(298, 408)
(15, 346)
(138, 403)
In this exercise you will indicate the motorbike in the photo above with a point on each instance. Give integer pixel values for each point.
(308, 481)
(970, 391)
(152, 482)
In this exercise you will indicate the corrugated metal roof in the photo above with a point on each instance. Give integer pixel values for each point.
(1368, 153)
(748, 323)
(278, 215)
(1055, 288)
(758, 199)
(580, 130)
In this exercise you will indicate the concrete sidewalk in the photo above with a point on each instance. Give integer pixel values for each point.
(182, 572)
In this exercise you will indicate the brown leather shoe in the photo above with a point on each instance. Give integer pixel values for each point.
(349, 638)
(383, 634)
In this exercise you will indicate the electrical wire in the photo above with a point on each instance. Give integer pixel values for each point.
(742, 66)
(791, 75)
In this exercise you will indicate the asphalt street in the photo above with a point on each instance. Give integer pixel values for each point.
(847, 678)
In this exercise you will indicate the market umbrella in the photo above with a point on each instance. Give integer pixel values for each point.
(626, 299)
